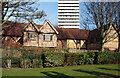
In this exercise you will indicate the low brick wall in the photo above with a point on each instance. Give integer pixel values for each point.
(80, 50)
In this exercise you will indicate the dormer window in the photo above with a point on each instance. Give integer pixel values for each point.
(31, 36)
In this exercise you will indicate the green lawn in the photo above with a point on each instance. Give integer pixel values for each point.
(112, 70)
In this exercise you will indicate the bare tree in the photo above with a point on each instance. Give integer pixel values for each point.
(24, 10)
(99, 14)
(116, 21)
(19, 11)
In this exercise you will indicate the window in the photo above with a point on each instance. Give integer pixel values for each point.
(47, 37)
(54, 36)
(31, 36)
(78, 41)
(51, 37)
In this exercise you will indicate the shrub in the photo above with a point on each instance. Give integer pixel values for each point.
(86, 58)
(71, 59)
(35, 60)
(54, 59)
(37, 63)
(79, 58)
(108, 57)
(4, 64)
(91, 57)
(25, 63)
(15, 61)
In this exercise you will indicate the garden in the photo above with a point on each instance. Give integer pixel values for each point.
(61, 64)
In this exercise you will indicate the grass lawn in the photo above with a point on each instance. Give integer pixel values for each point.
(111, 70)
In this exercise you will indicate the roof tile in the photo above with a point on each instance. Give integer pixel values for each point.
(15, 29)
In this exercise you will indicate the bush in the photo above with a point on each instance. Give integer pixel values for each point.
(71, 59)
(86, 58)
(25, 63)
(37, 63)
(79, 58)
(15, 61)
(54, 59)
(33, 60)
(108, 57)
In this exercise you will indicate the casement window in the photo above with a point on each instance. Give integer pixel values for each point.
(47, 37)
(31, 36)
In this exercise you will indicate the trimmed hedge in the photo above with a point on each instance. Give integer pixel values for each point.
(62, 59)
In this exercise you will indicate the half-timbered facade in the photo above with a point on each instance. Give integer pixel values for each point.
(40, 35)
(46, 35)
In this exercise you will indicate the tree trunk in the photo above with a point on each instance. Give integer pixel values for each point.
(101, 39)
(119, 43)
(101, 45)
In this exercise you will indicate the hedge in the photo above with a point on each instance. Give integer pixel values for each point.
(63, 59)
(54, 59)
(108, 58)
(15, 62)
(26, 61)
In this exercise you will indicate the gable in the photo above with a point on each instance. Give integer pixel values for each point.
(48, 28)
(31, 27)
(112, 31)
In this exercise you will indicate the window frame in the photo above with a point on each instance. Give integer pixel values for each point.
(49, 36)
(31, 36)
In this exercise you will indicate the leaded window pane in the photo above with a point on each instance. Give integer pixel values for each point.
(47, 37)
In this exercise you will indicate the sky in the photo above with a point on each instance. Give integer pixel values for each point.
(50, 7)
(51, 10)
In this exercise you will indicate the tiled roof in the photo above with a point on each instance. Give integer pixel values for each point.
(15, 29)
(94, 34)
(72, 33)
(39, 26)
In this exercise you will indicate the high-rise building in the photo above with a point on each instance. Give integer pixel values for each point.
(68, 13)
